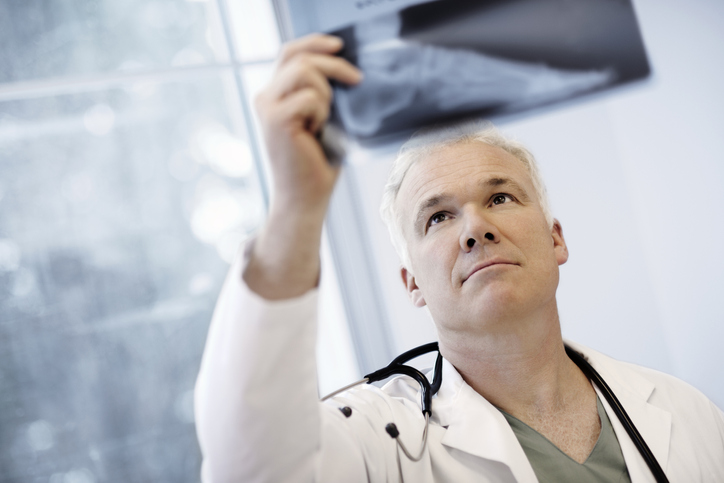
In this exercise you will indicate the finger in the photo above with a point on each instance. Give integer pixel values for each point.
(303, 109)
(306, 69)
(299, 75)
(336, 68)
(317, 43)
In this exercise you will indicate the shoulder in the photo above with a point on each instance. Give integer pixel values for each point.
(657, 388)
(684, 429)
(373, 407)
(400, 393)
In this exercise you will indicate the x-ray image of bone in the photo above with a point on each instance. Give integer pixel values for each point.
(402, 75)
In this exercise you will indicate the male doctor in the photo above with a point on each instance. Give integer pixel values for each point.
(468, 214)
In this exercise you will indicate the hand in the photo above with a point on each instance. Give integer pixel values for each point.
(293, 108)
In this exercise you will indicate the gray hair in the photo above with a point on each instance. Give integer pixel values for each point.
(427, 141)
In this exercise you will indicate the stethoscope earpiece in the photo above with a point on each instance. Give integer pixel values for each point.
(392, 430)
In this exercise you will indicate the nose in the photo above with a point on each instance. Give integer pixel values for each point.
(477, 230)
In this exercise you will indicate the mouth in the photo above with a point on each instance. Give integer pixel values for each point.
(484, 265)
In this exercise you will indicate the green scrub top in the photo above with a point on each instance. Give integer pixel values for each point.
(551, 465)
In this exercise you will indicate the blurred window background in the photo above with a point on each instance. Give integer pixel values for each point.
(129, 174)
(131, 168)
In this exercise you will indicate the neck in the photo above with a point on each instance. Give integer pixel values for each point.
(521, 368)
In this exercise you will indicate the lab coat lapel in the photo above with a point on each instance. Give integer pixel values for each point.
(476, 427)
(633, 391)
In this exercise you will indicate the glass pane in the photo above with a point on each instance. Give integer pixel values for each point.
(255, 30)
(118, 213)
(40, 39)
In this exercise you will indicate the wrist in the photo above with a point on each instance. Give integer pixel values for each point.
(295, 213)
(284, 261)
(302, 206)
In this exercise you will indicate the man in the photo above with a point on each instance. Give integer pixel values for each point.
(469, 216)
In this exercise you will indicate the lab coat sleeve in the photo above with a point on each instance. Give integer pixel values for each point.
(718, 417)
(258, 416)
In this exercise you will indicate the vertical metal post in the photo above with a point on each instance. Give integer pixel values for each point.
(246, 110)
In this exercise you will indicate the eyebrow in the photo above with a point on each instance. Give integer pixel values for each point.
(487, 183)
(495, 182)
(429, 203)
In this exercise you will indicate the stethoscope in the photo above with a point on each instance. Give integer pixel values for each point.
(427, 390)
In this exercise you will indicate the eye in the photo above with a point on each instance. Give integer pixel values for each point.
(501, 198)
(438, 217)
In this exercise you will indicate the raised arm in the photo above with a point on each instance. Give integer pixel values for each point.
(257, 413)
(285, 260)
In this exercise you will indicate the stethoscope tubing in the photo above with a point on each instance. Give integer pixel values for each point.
(621, 413)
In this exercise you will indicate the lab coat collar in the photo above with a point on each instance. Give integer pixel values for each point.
(476, 427)
(634, 391)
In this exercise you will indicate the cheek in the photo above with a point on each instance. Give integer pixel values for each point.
(433, 261)
(540, 252)
(535, 234)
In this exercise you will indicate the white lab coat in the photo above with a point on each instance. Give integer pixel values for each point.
(259, 420)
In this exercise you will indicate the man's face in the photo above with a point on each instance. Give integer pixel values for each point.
(481, 251)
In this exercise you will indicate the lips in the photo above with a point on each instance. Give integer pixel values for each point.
(486, 264)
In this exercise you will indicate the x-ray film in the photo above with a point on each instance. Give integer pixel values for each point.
(432, 62)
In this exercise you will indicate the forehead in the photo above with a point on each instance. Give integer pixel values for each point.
(450, 169)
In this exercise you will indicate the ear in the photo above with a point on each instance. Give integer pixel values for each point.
(559, 243)
(413, 291)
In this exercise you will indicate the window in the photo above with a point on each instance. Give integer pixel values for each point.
(129, 174)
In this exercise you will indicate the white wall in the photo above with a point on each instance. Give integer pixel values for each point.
(637, 179)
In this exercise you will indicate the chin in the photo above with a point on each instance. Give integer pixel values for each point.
(499, 305)
(481, 313)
